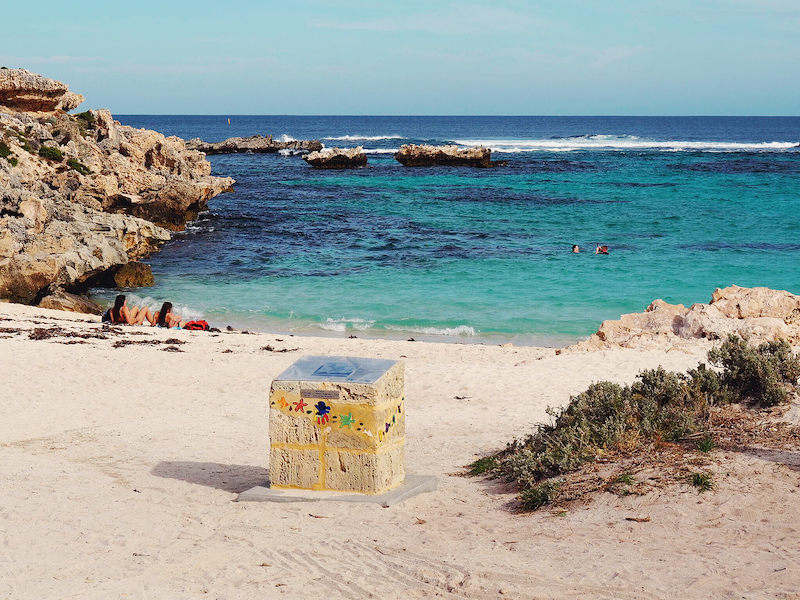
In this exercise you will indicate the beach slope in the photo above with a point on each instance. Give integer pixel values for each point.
(122, 452)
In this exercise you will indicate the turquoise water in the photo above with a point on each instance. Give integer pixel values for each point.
(684, 205)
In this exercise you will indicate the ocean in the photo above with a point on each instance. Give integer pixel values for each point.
(684, 204)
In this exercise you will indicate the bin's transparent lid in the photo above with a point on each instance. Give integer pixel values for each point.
(336, 368)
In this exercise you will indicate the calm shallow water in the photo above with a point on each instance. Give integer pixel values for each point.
(684, 204)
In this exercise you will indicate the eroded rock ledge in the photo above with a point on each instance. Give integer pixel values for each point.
(254, 144)
(81, 195)
(337, 158)
(24, 91)
(761, 314)
(412, 155)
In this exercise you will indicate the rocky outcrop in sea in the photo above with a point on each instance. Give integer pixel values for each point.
(254, 144)
(412, 155)
(337, 158)
(759, 314)
(81, 195)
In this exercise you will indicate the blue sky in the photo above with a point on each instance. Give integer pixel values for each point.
(554, 57)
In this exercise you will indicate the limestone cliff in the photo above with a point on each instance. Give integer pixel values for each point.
(82, 194)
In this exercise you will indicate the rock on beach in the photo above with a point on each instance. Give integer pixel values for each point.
(760, 314)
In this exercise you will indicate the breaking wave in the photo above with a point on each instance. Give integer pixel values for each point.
(364, 138)
(461, 330)
(622, 143)
(342, 325)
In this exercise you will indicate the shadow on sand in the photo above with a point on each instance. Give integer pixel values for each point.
(786, 457)
(229, 478)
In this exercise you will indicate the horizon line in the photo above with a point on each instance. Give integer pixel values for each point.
(428, 116)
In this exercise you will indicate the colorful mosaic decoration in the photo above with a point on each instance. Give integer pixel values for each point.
(338, 435)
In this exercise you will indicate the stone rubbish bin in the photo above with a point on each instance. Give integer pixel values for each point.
(338, 424)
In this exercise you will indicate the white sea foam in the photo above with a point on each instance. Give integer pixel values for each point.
(286, 138)
(342, 325)
(366, 138)
(380, 150)
(461, 330)
(622, 142)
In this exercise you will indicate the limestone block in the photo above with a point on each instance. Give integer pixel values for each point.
(293, 467)
(360, 472)
(350, 412)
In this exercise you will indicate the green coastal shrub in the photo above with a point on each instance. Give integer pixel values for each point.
(539, 494)
(659, 406)
(762, 375)
(483, 465)
(87, 117)
(23, 142)
(5, 152)
(51, 153)
(78, 166)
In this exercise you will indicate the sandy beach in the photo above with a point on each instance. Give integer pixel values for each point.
(121, 464)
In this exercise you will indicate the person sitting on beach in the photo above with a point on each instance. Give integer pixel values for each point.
(601, 250)
(122, 314)
(166, 318)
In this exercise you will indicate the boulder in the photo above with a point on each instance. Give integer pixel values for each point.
(58, 299)
(134, 274)
(740, 303)
(646, 330)
(21, 90)
(412, 155)
(337, 158)
(255, 144)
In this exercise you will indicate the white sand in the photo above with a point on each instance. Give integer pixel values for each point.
(119, 470)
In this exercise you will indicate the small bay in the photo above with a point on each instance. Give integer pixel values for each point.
(684, 204)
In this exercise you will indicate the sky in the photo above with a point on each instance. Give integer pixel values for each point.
(433, 57)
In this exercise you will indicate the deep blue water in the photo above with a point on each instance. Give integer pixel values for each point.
(685, 205)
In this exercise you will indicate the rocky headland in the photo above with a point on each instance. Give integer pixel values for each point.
(413, 155)
(82, 195)
(759, 314)
(337, 158)
(253, 144)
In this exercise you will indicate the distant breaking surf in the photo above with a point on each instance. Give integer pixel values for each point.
(364, 138)
(623, 142)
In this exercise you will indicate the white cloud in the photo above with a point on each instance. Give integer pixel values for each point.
(767, 6)
(611, 56)
(23, 61)
(466, 19)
